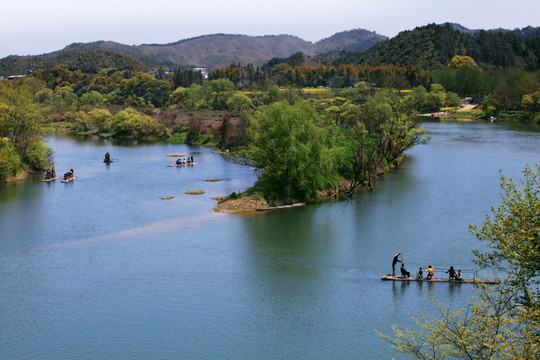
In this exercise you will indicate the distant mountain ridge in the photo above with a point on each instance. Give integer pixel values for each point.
(428, 47)
(220, 50)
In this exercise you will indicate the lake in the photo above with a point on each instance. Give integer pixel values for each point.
(103, 268)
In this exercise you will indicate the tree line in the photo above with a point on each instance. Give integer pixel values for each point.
(121, 103)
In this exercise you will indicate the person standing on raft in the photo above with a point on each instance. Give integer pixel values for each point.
(394, 262)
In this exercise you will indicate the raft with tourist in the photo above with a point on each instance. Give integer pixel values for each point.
(453, 276)
(50, 175)
(69, 176)
(474, 280)
(50, 179)
(184, 162)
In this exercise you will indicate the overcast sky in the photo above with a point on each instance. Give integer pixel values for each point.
(32, 27)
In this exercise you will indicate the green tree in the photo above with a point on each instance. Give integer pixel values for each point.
(461, 61)
(418, 97)
(10, 161)
(220, 91)
(101, 119)
(513, 234)
(195, 97)
(239, 103)
(436, 97)
(286, 146)
(178, 97)
(91, 98)
(64, 99)
(19, 117)
(531, 102)
(131, 123)
(502, 322)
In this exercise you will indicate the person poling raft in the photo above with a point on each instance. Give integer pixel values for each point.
(452, 275)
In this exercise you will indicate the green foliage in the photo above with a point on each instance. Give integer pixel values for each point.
(101, 120)
(513, 233)
(239, 103)
(433, 47)
(19, 117)
(37, 154)
(130, 123)
(195, 97)
(285, 144)
(220, 92)
(460, 61)
(87, 61)
(91, 98)
(10, 161)
(143, 87)
(486, 329)
(64, 99)
(178, 97)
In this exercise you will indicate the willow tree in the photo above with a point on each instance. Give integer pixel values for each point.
(383, 128)
(501, 322)
(286, 147)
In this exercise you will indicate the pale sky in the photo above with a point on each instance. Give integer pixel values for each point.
(33, 27)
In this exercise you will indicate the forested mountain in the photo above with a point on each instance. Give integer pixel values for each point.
(428, 47)
(353, 40)
(85, 61)
(433, 46)
(221, 50)
(212, 51)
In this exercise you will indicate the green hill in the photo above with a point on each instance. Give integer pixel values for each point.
(432, 46)
(86, 61)
(220, 50)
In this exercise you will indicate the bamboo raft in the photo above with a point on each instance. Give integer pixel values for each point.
(173, 165)
(424, 279)
(50, 179)
(68, 179)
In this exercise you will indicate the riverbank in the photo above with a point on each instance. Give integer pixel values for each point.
(465, 108)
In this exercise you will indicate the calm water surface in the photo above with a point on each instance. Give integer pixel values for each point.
(102, 268)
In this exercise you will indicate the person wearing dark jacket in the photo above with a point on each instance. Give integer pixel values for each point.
(451, 273)
(394, 262)
(405, 272)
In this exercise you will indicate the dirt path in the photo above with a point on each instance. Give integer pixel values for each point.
(448, 113)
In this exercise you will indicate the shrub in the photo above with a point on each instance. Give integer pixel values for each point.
(10, 162)
(37, 154)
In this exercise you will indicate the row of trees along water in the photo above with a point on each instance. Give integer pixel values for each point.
(365, 127)
(303, 146)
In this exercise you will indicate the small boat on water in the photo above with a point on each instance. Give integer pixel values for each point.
(68, 179)
(424, 279)
(173, 165)
(50, 179)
